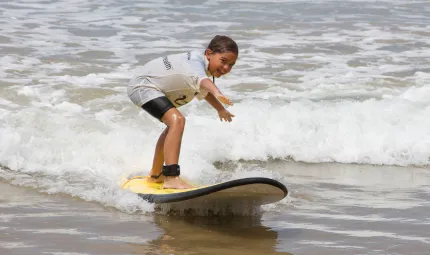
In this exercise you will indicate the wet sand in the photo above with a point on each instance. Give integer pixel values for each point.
(331, 209)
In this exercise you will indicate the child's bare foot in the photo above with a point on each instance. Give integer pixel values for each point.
(175, 183)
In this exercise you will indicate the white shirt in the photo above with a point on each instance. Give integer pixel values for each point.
(177, 76)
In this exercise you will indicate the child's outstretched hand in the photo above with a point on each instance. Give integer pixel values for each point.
(223, 99)
(225, 115)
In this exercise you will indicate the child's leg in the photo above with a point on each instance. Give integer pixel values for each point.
(157, 163)
(175, 121)
(169, 144)
(172, 145)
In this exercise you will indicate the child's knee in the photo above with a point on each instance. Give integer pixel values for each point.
(179, 121)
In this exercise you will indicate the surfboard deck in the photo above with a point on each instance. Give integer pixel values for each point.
(252, 191)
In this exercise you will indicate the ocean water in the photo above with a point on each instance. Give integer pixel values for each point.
(331, 98)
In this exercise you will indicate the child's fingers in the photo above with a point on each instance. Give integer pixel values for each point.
(226, 116)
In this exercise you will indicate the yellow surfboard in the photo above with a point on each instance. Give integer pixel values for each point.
(253, 191)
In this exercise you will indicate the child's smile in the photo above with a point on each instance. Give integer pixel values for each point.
(221, 63)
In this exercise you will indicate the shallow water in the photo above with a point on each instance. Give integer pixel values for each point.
(332, 209)
(341, 87)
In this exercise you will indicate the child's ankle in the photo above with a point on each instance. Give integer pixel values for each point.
(155, 175)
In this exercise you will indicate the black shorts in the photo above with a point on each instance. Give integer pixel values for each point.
(157, 107)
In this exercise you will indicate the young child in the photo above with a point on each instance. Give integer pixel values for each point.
(164, 84)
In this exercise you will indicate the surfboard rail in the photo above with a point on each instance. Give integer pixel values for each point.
(264, 189)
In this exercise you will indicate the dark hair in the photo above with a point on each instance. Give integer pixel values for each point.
(223, 44)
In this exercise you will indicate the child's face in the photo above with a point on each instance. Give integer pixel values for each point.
(220, 63)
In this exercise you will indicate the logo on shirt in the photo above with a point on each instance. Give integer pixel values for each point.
(167, 63)
(181, 100)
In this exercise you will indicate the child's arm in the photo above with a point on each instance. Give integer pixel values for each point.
(210, 86)
(223, 114)
(211, 99)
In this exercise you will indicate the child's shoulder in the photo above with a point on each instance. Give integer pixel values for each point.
(188, 55)
(195, 54)
(192, 58)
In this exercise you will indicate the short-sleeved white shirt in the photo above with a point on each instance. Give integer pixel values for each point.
(177, 76)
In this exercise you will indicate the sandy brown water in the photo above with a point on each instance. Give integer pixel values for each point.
(316, 81)
(332, 209)
(35, 223)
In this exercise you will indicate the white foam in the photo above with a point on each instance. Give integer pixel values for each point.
(110, 146)
(64, 253)
(122, 239)
(69, 107)
(15, 245)
(67, 231)
(357, 233)
(330, 244)
(369, 218)
(349, 88)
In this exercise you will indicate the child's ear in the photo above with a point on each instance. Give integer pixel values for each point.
(208, 52)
